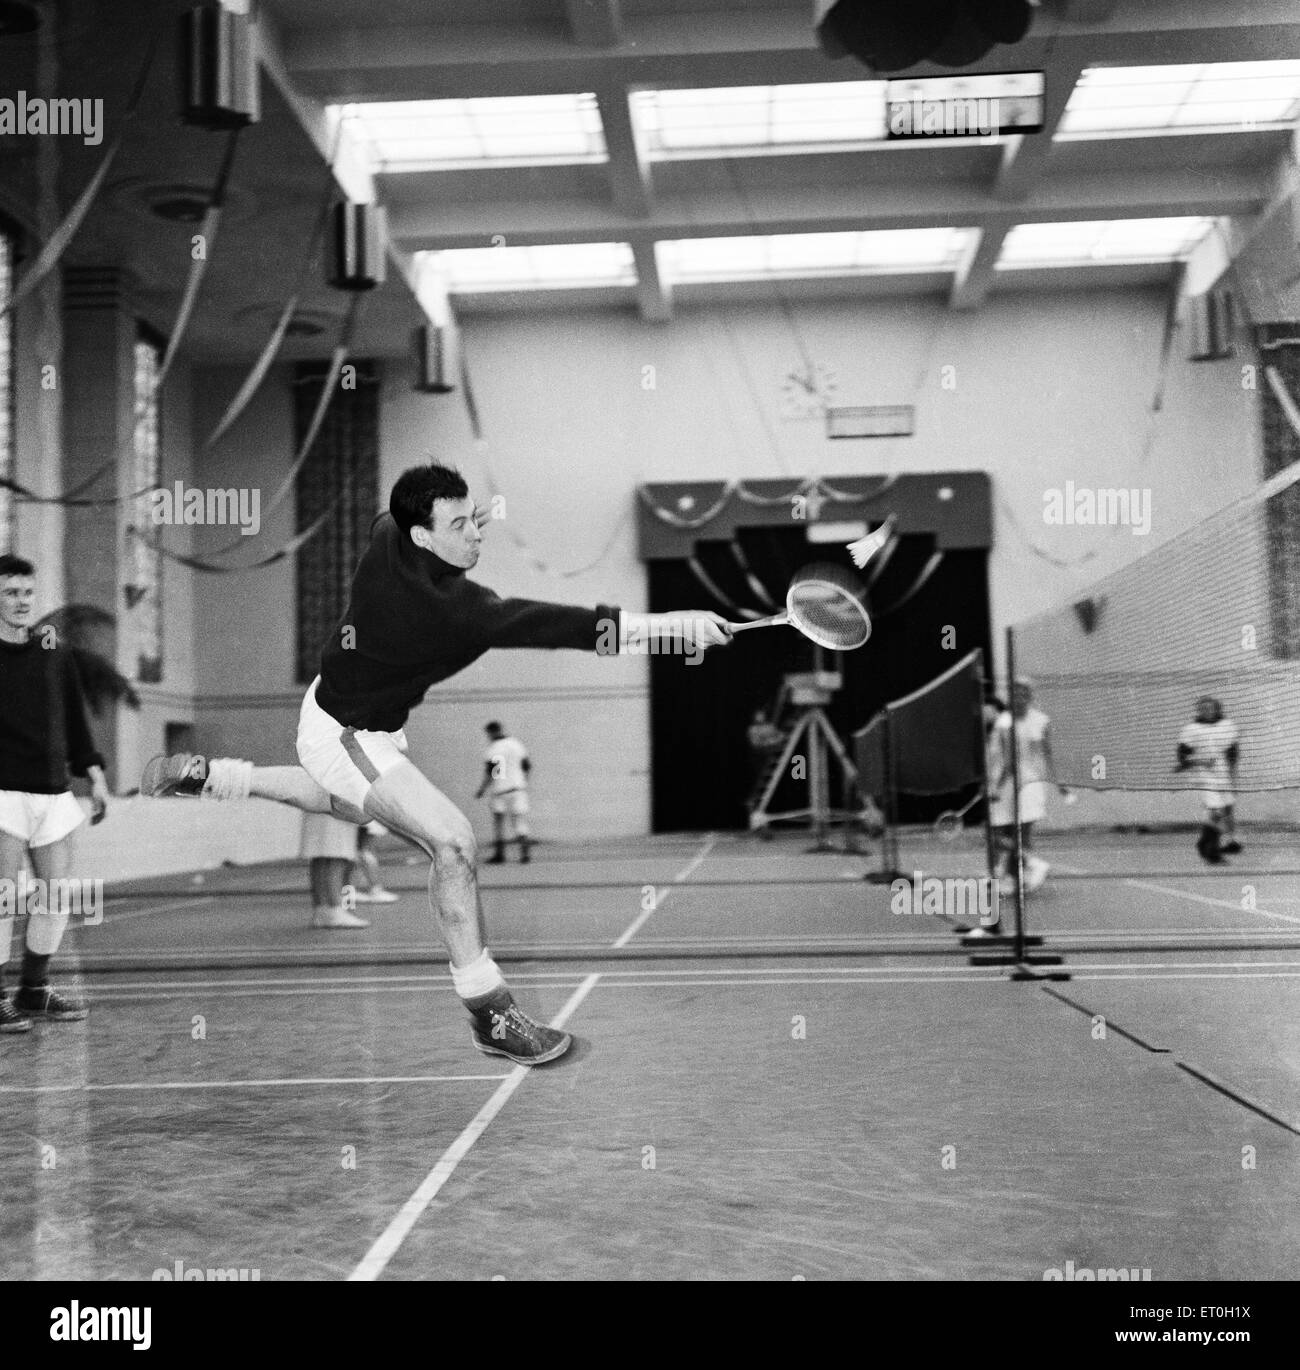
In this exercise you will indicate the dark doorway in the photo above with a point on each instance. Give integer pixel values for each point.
(701, 767)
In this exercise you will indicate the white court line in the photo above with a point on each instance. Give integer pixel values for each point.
(684, 874)
(1235, 905)
(1211, 975)
(287, 988)
(385, 1248)
(248, 1084)
(190, 903)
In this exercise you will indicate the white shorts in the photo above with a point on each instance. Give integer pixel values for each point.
(513, 802)
(1218, 799)
(324, 836)
(1033, 805)
(344, 761)
(39, 819)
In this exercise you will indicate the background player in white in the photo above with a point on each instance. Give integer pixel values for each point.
(1037, 772)
(1211, 746)
(506, 772)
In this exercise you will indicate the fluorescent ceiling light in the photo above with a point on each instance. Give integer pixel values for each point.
(546, 267)
(519, 130)
(1213, 95)
(811, 254)
(1111, 241)
(734, 118)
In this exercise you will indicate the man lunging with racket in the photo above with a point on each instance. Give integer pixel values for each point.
(413, 620)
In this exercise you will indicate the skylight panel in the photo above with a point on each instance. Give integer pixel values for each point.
(681, 122)
(424, 135)
(791, 255)
(545, 267)
(1212, 95)
(1112, 241)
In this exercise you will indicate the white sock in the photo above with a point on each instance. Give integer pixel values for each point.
(45, 931)
(479, 978)
(228, 778)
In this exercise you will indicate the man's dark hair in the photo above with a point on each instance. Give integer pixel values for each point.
(411, 503)
(495, 729)
(11, 564)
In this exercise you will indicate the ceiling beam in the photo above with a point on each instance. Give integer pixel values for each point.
(420, 220)
(653, 294)
(977, 269)
(351, 166)
(1025, 156)
(629, 166)
(360, 62)
(595, 23)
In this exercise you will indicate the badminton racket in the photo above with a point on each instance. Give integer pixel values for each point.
(827, 604)
(949, 824)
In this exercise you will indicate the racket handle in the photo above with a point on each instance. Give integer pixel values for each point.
(774, 621)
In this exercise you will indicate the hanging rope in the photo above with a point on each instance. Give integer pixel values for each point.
(756, 586)
(732, 610)
(198, 564)
(928, 570)
(328, 390)
(199, 264)
(257, 374)
(48, 257)
(481, 446)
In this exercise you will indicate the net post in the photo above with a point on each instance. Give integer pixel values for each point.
(888, 871)
(1018, 850)
(982, 742)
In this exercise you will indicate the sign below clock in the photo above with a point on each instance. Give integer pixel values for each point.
(870, 421)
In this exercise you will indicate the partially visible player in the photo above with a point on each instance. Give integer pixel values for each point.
(1037, 772)
(44, 734)
(507, 769)
(1211, 746)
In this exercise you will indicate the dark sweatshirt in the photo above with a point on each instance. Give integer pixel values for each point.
(413, 620)
(43, 726)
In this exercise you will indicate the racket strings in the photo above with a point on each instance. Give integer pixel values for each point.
(828, 604)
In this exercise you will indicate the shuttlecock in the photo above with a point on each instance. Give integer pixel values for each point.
(865, 548)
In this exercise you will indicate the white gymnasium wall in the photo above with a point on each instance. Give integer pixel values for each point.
(1048, 389)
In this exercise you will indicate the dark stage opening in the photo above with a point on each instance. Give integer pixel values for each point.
(702, 770)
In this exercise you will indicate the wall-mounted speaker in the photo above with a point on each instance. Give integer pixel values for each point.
(358, 239)
(436, 358)
(219, 79)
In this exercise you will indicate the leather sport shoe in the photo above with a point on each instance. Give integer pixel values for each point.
(502, 1028)
(11, 1020)
(378, 895)
(181, 774)
(49, 1003)
(337, 918)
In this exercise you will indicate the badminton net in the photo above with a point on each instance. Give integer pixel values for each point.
(1213, 611)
